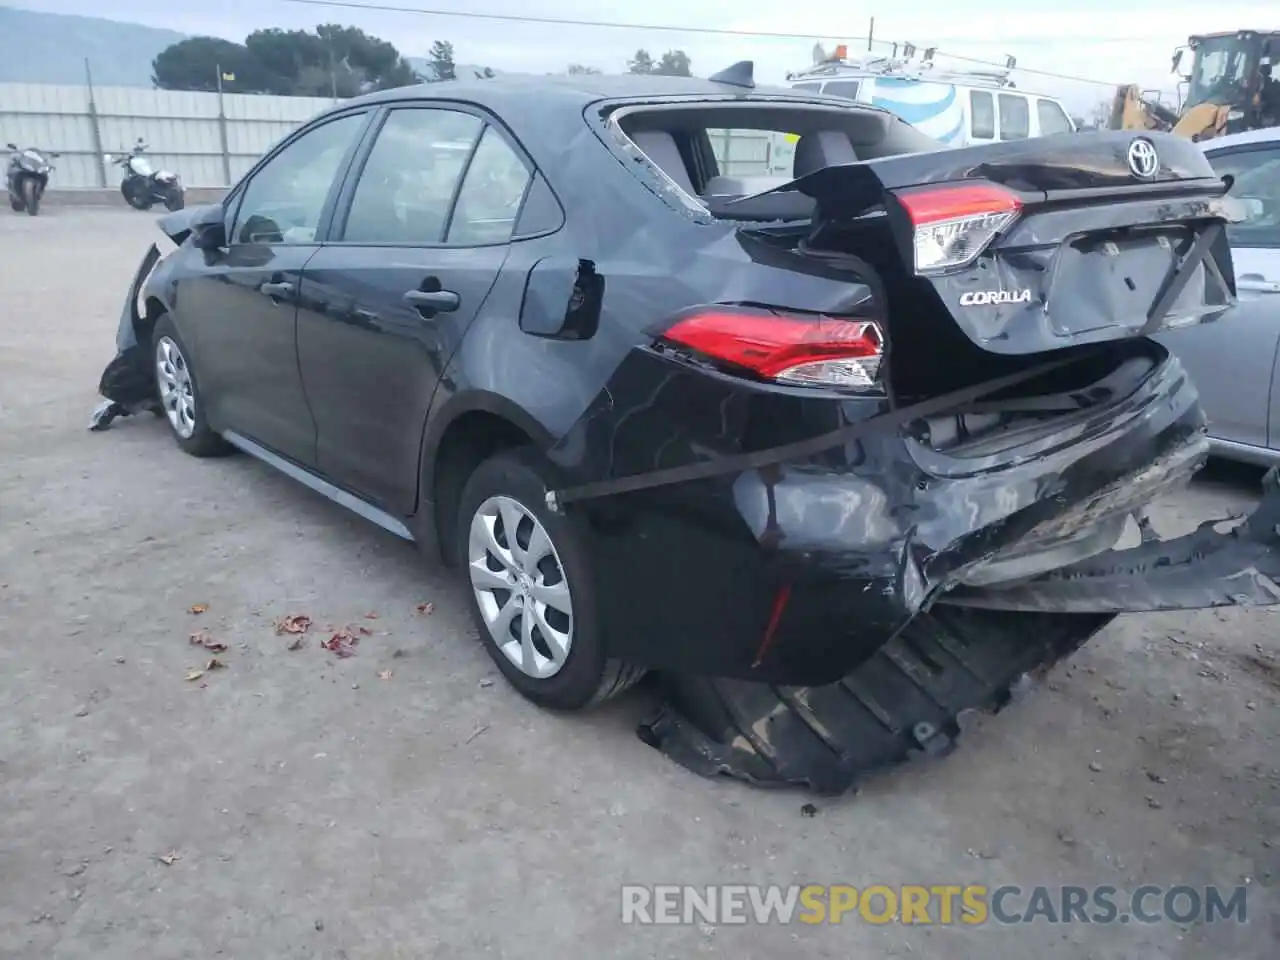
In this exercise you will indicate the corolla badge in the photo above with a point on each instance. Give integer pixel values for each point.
(1143, 159)
(983, 298)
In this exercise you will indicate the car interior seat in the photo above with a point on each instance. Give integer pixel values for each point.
(660, 147)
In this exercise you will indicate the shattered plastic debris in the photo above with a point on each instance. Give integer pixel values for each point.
(425, 609)
(169, 859)
(293, 623)
(384, 674)
(215, 664)
(203, 638)
(199, 608)
(194, 675)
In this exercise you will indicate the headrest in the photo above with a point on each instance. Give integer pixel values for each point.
(822, 148)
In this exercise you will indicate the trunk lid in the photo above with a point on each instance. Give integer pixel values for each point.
(1040, 244)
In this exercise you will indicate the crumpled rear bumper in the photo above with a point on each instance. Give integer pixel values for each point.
(1203, 569)
(973, 649)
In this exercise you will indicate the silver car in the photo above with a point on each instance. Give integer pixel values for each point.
(1235, 363)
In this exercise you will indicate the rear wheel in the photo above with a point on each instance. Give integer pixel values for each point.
(532, 595)
(136, 195)
(31, 196)
(179, 394)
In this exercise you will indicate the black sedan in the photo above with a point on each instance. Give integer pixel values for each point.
(664, 416)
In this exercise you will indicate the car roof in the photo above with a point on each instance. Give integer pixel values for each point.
(523, 91)
(1264, 135)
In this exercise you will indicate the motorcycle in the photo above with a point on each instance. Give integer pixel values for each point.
(143, 185)
(28, 176)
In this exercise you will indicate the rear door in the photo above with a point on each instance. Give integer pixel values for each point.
(423, 231)
(240, 304)
(1233, 362)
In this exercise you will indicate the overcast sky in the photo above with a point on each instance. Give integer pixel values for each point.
(1099, 39)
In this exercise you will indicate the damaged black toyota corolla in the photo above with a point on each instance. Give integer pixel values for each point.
(845, 453)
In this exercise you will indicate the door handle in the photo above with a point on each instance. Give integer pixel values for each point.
(1257, 284)
(435, 301)
(277, 291)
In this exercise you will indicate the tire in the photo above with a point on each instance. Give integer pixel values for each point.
(513, 484)
(178, 392)
(174, 200)
(31, 196)
(138, 199)
(15, 204)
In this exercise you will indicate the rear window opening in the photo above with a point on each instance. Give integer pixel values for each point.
(719, 153)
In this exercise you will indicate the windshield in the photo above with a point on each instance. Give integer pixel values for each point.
(1224, 69)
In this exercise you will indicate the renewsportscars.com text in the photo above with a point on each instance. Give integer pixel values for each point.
(935, 904)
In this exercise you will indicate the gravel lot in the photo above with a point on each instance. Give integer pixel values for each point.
(405, 803)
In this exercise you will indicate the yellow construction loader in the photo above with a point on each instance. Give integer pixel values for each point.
(1228, 88)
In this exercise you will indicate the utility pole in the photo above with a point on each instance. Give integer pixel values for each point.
(222, 132)
(99, 162)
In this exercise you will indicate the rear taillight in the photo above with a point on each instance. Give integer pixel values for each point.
(792, 348)
(953, 223)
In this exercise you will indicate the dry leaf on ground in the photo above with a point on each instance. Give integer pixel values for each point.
(199, 608)
(293, 623)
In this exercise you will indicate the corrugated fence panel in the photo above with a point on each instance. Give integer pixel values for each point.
(185, 133)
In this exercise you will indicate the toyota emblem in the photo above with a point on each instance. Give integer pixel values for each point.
(1143, 159)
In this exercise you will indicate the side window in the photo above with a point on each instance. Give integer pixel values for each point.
(283, 202)
(541, 211)
(982, 115)
(1015, 117)
(806, 86)
(409, 180)
(841, 88)
(491, 193)
(1257, 185)
(1053, 119)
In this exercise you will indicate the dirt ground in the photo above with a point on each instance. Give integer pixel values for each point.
(404, 802)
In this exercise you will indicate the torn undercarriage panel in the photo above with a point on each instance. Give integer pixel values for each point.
(973, 649)
(908, 699)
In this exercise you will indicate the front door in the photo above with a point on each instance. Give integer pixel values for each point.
(418, 242)
(242, 306)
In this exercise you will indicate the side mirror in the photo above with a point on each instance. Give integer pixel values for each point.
(209, 230)
(12, 146)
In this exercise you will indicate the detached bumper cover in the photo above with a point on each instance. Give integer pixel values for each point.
(911, 696)
(1204, 569)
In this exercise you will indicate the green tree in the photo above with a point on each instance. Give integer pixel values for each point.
(441, 57)
(193, 64)
(641, 62)
(577, 69)
(333, 61)
(674, 63)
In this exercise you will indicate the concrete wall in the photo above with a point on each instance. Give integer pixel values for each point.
(210, 141)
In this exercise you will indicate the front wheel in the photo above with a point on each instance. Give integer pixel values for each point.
(179, 393)
(531, 587)
(31, 196)
(174, 199)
